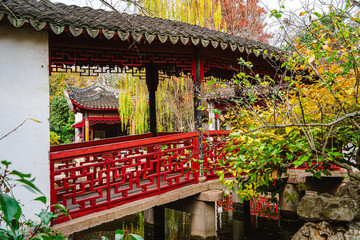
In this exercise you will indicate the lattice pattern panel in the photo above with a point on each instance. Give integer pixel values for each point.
(213, 154)
(96, 70)
(92, 61)
(102, 180)
(220, 68)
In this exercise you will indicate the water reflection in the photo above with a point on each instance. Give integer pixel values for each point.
(236, 225)
(231, 225)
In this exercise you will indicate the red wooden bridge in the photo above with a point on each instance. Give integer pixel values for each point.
(93, 176)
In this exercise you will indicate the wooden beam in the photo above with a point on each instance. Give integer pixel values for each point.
(152, 81)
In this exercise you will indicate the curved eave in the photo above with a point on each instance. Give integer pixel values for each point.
(138, 36)
(92, 108)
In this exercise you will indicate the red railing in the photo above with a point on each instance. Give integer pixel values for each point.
(329, 166)
(213, 144)
(89, 177)
(93, 176)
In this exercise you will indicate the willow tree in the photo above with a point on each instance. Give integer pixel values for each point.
(174, 104)
(206, 13)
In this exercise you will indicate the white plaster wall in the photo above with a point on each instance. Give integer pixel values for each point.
(212, 117)
(24, 93)
(78, 117)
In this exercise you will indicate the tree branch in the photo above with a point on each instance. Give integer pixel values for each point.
(346, 116)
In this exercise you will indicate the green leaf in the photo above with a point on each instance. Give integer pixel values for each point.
(41, 199)
(135, 237)
(20, 237)
(63, 209)
(221, 177)
(104, 238)
(317, 14)
(317, 175)
(20, 174)
(119, 234)
(3, 237)
(45, 237)
(46, 216)
(6, 163)
(9, 207)
(28, 183)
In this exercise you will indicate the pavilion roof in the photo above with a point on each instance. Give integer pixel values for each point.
(78, 20)
(96, 97)
(221, 93)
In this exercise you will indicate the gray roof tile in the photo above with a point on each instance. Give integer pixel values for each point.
(95, 96)
(61, 15)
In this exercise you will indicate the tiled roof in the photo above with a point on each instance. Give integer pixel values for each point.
(58, 16)
(227, 92)
(95, 96)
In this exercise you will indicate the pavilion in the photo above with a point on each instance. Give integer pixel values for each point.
(96, 112)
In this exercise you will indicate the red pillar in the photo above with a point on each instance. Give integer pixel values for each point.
(198, 74)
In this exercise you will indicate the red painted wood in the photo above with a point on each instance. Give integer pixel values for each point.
(214, 142)
(90, 177)
(98, 142)
(101, 148)
(94, 176)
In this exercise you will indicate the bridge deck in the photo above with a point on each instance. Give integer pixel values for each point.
(94, 219)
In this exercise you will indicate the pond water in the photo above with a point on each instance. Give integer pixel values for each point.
(231, 225)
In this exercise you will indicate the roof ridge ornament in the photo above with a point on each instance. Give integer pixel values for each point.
(233, 47)
(75, 31)
(214, 43)
(174, 39)
(205, 42)
(195, 41)
(184, 40)
(16, 22)
(150, 37)
(123, 35)
(93, 32)
(109, 34)
(36, 24)
(57, 29)
(223, 45)
(162, 38)
(136, 36)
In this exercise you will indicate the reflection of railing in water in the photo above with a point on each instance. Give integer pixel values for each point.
(264, 208)
(226, 204)
(261, 207)
(89, 177)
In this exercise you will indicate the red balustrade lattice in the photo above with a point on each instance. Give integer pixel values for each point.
(97, 175)
(214, 142)
(95, 178)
